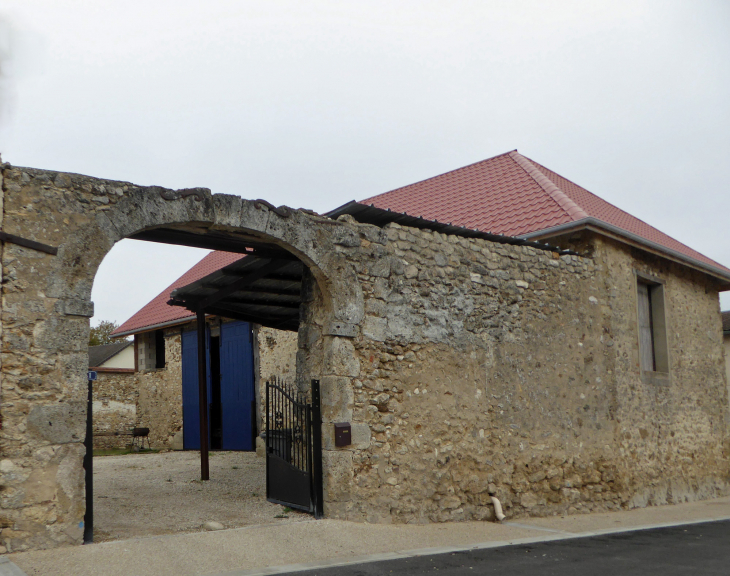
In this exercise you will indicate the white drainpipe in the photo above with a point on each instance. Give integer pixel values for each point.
(497, 508)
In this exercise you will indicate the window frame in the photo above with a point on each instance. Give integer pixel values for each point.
(160, 360)
(657, 309)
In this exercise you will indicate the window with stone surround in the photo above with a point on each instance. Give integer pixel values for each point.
(150, 348)
(159, 348)
(653, 351)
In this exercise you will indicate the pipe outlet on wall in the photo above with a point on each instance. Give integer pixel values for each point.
(498, 514)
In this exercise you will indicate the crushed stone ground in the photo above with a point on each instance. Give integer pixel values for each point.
(152, 494)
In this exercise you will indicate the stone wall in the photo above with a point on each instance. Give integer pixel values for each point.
(159, 403)
(44, 360)
(114, 408)
(726, 341)
(484, 366)
(472, 359)
(277, 351)
(45, 321)
(669, 432)
(275, 356)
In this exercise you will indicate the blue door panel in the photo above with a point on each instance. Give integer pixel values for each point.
(191, 410)
(237, 386)
(208, 377)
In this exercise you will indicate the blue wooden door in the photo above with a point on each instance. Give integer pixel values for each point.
(191, 410)
(237, 386)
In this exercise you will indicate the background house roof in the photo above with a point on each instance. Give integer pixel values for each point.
(157, 312)
(726, 321)
(513, 195)
(100, 354)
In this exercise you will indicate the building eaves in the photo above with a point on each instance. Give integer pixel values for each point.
(380, 217)
(152, 327)
(513, 195)
(600, 226)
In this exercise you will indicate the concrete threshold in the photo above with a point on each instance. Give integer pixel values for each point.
(280, 548)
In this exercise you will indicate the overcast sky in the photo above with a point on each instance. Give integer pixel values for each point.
(315, 103)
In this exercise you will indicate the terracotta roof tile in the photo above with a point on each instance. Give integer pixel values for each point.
(508, 194)
(513, 195)
(158, 312)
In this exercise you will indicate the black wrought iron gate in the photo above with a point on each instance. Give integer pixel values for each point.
(294, 447)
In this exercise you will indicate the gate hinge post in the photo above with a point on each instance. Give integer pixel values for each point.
(317, 451)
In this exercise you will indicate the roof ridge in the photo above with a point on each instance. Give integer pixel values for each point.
(540, 167)
(569, 206)
(364, 201)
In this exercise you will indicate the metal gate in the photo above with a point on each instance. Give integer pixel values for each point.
(294, 447)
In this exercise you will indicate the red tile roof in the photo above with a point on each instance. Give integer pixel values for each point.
(508, 194)
(158, 312)
(513, 195)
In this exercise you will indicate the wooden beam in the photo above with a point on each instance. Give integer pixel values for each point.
(32, 244)
(284, 277)
(286, 314)
(280, 277)
(282, 322)
(210, 240)
(203, 398)
(235, 299)
(272, 292)
(267, 268)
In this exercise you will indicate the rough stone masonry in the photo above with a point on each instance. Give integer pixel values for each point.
(465, 366)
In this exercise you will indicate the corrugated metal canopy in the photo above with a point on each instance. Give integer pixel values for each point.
(263, 290)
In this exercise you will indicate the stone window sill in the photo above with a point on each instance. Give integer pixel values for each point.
(153, 370)
(655, 378)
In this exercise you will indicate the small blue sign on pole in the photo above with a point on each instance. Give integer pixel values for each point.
(91, 375)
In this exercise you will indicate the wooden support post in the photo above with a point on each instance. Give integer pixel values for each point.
(203, 398)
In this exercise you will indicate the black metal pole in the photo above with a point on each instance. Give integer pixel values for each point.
(203, 398)
(317, 450)
(267, 439)
(88, 466)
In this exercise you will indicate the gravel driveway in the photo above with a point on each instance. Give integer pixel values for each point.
(151, 494)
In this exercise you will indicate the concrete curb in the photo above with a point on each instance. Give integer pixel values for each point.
(555, 536)
(7, 568)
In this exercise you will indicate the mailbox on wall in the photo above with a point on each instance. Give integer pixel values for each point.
(343, 434)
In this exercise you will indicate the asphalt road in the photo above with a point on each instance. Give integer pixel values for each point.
(697, 549)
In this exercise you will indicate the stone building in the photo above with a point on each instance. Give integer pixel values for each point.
(468, 357)
(166, 391)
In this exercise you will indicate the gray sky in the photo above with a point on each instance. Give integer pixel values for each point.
(316, 103)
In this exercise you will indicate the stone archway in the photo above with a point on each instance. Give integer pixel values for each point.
(45, 325)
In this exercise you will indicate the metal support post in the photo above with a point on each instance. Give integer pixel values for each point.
(317, 451)
(89, 465)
